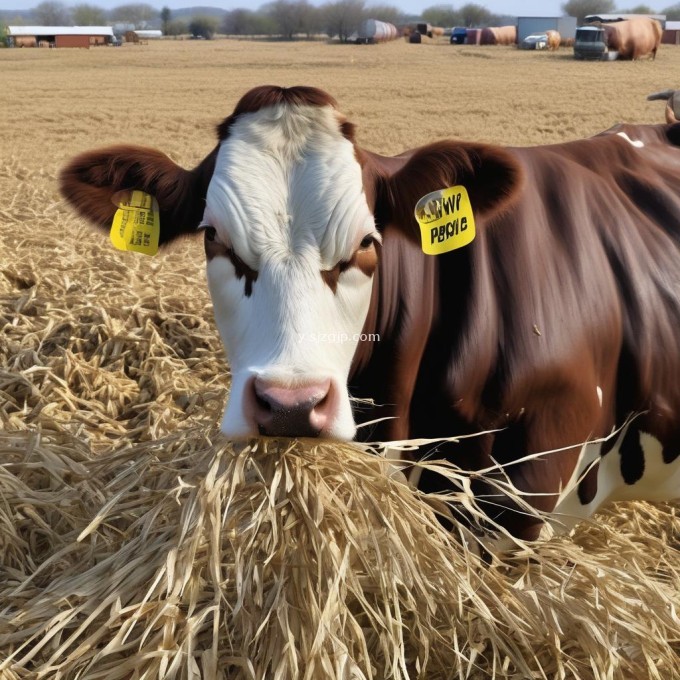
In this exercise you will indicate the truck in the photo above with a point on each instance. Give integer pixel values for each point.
(591, 43)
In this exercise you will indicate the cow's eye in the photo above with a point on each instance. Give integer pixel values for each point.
(210, 233)
(366, 242)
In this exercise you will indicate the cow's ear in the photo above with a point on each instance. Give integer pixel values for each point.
(490, 174)
(90, 181)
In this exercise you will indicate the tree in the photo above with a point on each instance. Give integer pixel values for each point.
(638, 9)
(166, 15)
(52, 13)
(672, 13)
(138, 14)
(388, 13)
(88, 15)
(246, 22)
(342, 18)
(177, 27)
(203, 27)
(582, 8)
(292, 16)
(442, 15)
(474, 15)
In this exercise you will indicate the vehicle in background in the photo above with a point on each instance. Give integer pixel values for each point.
(591, 43)
(458, 35)
(535, 41)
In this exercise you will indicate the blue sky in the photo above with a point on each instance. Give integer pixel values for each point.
(515, 7)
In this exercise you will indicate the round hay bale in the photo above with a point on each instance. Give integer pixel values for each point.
(185, 558)
(415, 38)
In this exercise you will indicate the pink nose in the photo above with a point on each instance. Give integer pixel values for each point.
(292, 411)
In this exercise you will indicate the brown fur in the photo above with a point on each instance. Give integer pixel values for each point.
(634, 38)
(554, 40)
(572, 283)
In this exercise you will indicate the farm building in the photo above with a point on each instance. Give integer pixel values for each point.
(565, 26)
(59, 36)
(671, 34)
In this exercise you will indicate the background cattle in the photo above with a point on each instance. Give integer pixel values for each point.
(554, 40)
(634, 38)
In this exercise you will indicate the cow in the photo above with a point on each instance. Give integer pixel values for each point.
(554, 40)
(552, 328)
(633, 38)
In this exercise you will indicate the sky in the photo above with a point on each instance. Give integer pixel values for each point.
(540, 8)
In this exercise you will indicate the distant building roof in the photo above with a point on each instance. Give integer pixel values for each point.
(59, 30)
(673, 25)
(148, 33)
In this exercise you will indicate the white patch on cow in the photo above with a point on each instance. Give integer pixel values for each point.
(660, 481)
(287, 196)
(633, 142)
(598, 389)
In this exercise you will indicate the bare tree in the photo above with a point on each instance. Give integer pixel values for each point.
(638, 9)
(672, 13)
(138, 14)
(443, 15)
(292, 16)
(342, 18)
(246, 22)
(475, 15)
(388, 13)
(52, 13)
(88, 15)
(582, 8)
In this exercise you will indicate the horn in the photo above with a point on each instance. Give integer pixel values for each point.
(665, 94)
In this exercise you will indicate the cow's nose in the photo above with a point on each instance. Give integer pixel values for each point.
(292, 411)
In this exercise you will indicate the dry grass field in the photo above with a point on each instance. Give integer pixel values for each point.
(128, 547)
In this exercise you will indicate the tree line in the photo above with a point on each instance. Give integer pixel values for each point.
(293, 18)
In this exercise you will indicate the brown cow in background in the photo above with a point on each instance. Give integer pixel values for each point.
(554, 40)
(634, 38)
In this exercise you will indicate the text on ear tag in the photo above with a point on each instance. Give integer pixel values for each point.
(136, 225)
(446, 220)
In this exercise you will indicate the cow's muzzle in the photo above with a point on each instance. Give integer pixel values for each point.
(280, 411)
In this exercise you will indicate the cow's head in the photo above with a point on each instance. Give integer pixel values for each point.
(292, 212)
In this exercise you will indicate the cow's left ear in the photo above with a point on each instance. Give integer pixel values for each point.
(90, 181)
(490, 174)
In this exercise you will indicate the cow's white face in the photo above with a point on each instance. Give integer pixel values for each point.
(291, 248)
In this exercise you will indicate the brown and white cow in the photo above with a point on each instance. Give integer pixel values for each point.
(554, 326)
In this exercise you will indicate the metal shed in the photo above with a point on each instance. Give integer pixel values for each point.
(565, 26)
(59, 36)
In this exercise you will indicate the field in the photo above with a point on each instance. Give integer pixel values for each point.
(104, 354)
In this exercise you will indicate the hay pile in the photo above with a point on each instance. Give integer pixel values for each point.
(183, 558)
(136, 543)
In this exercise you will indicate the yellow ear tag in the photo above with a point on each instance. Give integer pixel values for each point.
(137, 223)
(446, 220)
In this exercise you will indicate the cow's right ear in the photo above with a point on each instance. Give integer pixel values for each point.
(91, 179)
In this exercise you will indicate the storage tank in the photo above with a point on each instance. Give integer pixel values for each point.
(373, 31)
